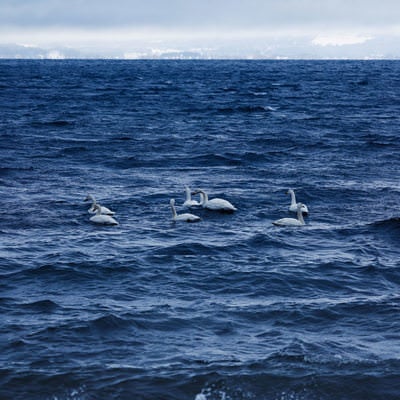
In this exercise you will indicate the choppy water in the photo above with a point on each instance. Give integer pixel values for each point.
(232, 307)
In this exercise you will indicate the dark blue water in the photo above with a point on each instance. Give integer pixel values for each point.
(232, 307)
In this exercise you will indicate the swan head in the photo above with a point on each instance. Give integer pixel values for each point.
(290, 191)
(89, 197)
(97, 208)
(203, 196)
(172, 202)
(303, 208)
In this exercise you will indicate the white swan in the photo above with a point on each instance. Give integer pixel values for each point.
(103, 219)
(182, 217)
(215, 204)
(299, 221)
(189, 202)
(293, 204)
(92, 210)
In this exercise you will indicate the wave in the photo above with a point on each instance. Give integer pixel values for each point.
(73, 150)
(108, 323)
(45, 305)
(206, 160)
(59, 272)
(128, 382)
(87, 331)
(294, 86)
(210, 159)
(389, 226)
(184, 249)
(304, 385)
(56, 123)
(123, 138)
(245, 109)
(4, 171)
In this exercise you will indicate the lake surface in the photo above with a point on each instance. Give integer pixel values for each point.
(231, 307)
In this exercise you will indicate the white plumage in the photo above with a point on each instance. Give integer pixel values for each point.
(92, 209)
(187, 217)
(215, 204)
(299, 221)
(102, 219)
(293, 204)
(189, 202)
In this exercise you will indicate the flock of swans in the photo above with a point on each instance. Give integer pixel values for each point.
(104, 216)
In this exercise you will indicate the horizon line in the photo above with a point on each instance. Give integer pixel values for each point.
(366, 58)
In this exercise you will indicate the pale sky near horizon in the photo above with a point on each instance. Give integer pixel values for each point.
(102, 24)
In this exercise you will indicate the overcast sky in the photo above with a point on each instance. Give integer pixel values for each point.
(134, 26)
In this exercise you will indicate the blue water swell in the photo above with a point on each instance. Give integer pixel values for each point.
(231, 307)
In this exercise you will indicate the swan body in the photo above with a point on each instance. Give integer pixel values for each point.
(187, 217)
(102, 219)
(189, 202)
(299, 221)
(293, 204)
(215, 204)
(92, 209)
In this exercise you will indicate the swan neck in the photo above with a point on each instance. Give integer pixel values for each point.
(188, 194)
(300, 215)
(173, 210)
(204, 197)
(293, 198)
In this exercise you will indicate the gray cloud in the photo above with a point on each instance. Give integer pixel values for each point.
(203, 28)
(167, 14)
